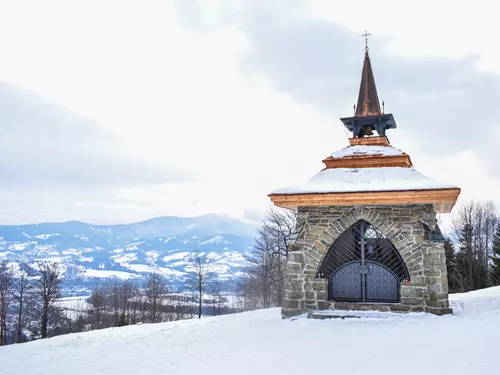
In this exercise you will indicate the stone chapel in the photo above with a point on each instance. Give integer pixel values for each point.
(366, 235)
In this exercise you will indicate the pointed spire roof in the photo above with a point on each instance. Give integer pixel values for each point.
(368, 116)
(368, 103)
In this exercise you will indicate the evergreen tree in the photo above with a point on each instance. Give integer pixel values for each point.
(122, 321)
(495, 269)
(451, 267)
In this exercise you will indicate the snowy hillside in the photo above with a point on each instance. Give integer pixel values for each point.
(261, 342)
(88, 253)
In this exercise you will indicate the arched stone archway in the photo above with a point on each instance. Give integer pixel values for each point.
(405, 238)
(362, 264)
(403, 225)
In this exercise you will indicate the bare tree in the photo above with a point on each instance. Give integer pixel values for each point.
(201, 270)
(156, 291)
(21, 287)
(6, 279)
(128, 290)
(134, 300)
(114, 297)
(77, 315)
(279, 224)
(264, 285)
(264, 270)
(98, 303)
(47, 287)
(217, 298)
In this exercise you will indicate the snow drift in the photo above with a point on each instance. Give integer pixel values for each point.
(260, 342)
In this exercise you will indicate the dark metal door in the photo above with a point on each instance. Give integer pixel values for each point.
(346, 282)
(381, 283)
(363, 265)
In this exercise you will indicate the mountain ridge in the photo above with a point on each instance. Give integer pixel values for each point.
(88, 253)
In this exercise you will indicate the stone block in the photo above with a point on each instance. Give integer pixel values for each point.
(413, 301)
(439, 311)
(432, 272)
(432, 259)
(320, 246)
(295, 258)
(324, 305)
(399, 308)
(416, 308)
(413, 291)
(415, 257)
(295, 285)
(289, 304)
(435, 303)
(308, 286)
(321, 295)
(340, 306)
(435, 290)
(309, 295)
(319, 285)
(309, 267)
(414, 266)
(314, 229)
(294, 295)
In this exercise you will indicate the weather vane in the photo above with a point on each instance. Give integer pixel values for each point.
(366, 34)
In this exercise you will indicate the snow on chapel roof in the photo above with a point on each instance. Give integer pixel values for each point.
(345, 180)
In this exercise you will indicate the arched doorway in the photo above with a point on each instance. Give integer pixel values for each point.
(363, 265)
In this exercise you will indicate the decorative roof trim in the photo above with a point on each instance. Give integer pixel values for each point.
(369, 161)
(443, 199)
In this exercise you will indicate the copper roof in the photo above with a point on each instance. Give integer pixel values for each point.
(368, 104)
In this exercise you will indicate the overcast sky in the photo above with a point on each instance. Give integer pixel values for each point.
(117, 111)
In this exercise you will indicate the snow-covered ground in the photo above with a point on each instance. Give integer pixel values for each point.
(260, 342)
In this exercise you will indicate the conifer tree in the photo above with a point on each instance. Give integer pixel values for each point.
(495, 269)
(451, 266)
(122, 321)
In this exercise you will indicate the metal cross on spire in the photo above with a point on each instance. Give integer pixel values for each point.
(366, 34)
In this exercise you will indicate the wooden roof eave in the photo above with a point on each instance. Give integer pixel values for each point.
(443, 199)
(369, 161)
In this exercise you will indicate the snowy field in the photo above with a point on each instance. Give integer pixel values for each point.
(260, 342)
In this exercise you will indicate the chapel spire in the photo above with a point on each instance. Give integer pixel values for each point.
(368, 116)
(368, 103)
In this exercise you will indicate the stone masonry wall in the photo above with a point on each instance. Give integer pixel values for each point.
(402, 224)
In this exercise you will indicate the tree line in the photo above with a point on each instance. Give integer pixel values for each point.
(473, 247)
(28, 301)
(31, 306)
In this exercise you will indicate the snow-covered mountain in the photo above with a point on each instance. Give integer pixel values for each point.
(260, 342)
(88, 252)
